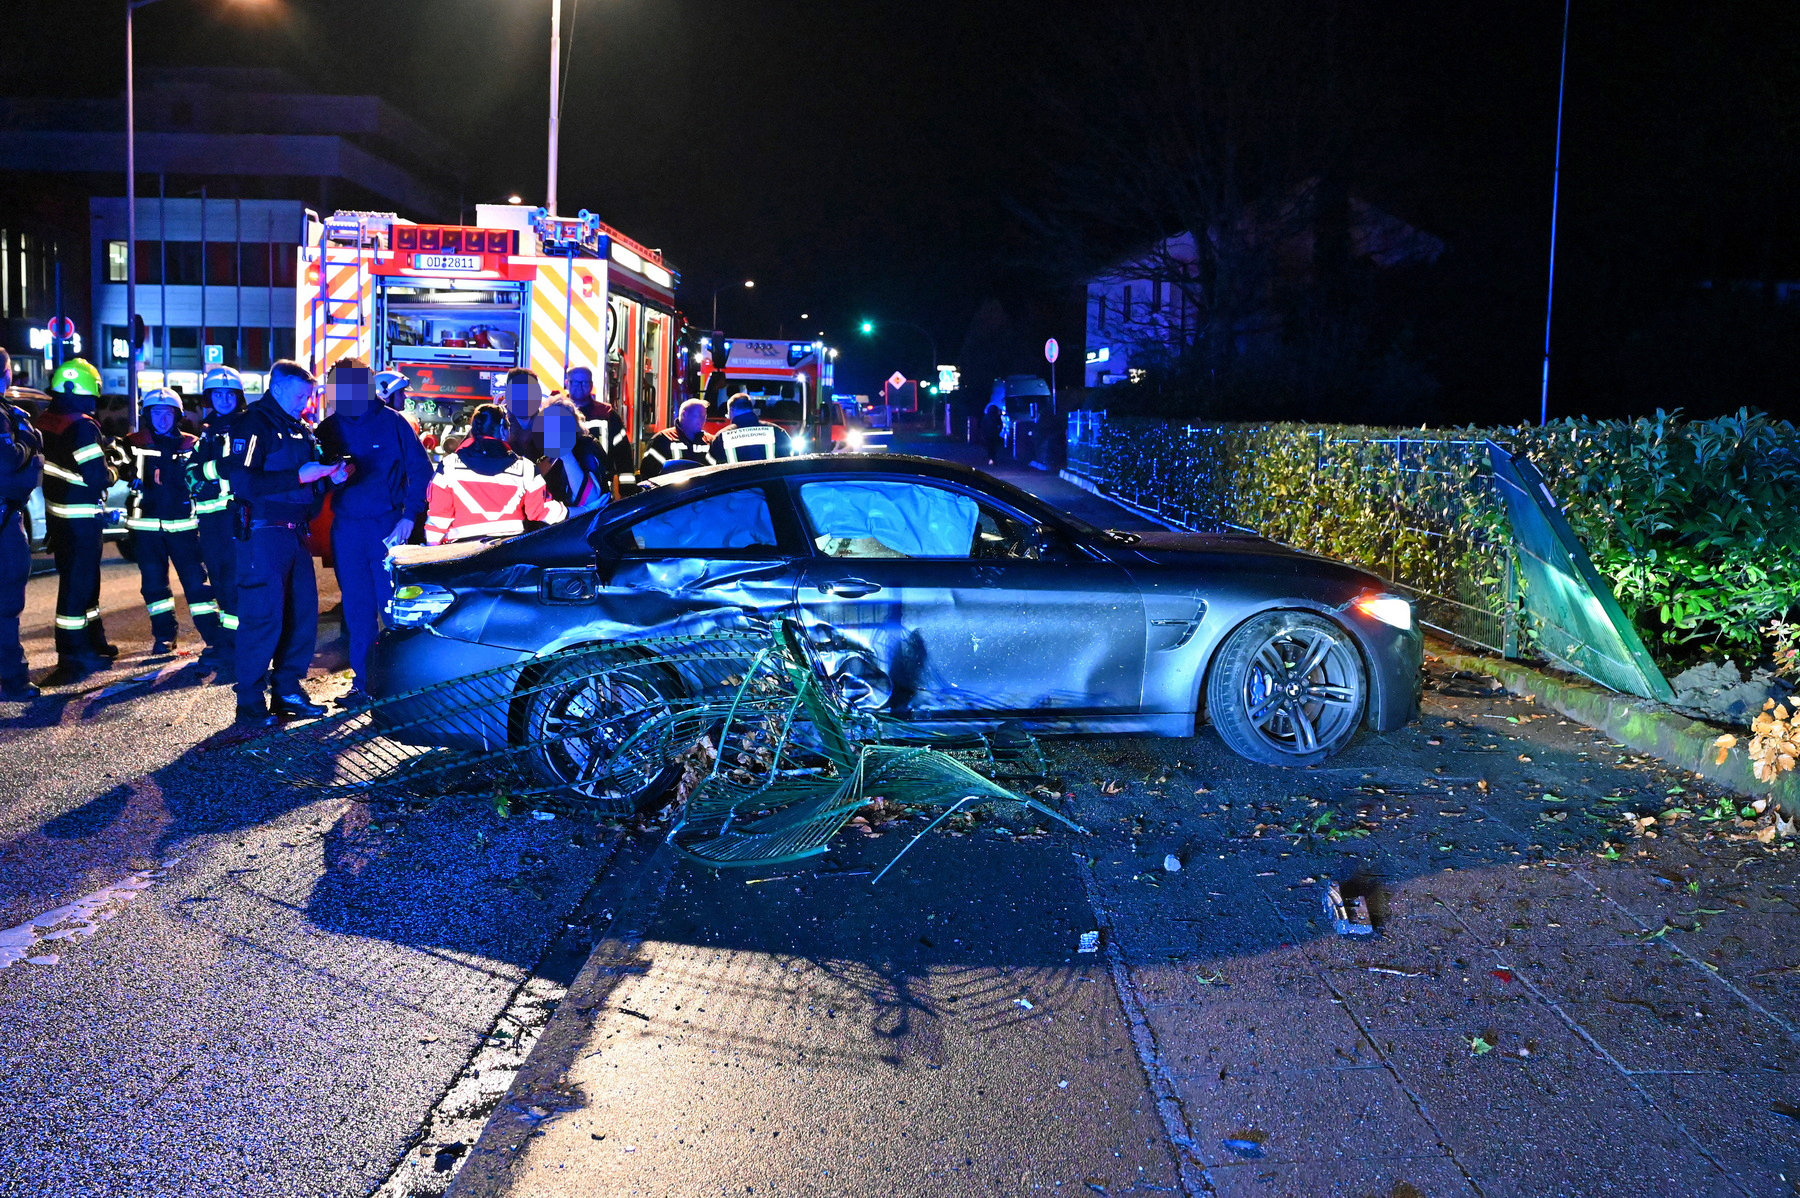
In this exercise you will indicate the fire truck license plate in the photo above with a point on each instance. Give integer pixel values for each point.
(446, 261)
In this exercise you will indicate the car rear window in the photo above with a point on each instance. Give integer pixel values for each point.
(735, 520)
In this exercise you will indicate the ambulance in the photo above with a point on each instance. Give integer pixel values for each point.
(456, 307)
(789, 382)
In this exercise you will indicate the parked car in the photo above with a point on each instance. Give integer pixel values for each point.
(33, 402)
(938, 595)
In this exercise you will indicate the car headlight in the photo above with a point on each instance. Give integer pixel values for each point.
(416, 604)
(854, 438)
(1391, 610)
(799, 444)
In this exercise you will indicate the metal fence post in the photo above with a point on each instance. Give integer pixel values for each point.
(1509, 630)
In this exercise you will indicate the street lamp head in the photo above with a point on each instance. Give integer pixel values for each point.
(805, 315)
(514, 199)
(749, 282)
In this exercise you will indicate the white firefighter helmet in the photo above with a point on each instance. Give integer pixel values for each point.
(161, 397)
(389, 382)
(221, 378)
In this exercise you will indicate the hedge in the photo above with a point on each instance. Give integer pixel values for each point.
(1692, 521)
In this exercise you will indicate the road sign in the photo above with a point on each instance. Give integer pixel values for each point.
(1052, 351)
(61, 328)
(896, 380)
(215, 355)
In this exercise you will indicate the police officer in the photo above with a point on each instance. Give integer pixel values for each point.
(748, 438)
(376, 510)
(21, 466)
(222, 390)
(76, 478)
(601, 421)
(275, 476)
(163, 525)
(682, 447)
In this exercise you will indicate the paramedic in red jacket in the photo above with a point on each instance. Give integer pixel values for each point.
(484, 489)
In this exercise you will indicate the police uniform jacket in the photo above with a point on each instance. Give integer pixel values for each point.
(159, 465)
(76, 475)
(208, 467)
(670, 446)
(21, 464)
(750, 439)
(268, 447)
(391, 472)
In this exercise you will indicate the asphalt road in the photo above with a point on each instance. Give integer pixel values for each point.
(265, 994)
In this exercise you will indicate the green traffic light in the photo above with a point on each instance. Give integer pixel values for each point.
(868, 326)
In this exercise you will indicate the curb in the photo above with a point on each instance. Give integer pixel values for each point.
(1638, 724)
(1093, 488)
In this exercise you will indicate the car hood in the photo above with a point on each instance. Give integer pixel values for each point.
(1177, 547)
(1237, 553)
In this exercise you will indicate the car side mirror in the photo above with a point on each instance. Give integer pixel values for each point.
(606, 558)
(1047, 544)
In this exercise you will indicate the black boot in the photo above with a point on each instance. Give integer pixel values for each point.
(296, 706)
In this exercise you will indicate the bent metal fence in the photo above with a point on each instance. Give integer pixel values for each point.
(742, 725)
(1429, 513)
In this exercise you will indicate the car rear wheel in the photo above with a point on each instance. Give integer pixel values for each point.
(583, 723)
(1287, 688)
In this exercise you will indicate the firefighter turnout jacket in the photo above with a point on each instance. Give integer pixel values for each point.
(210, 463)
(160, 501)
(76, 475)
(484, 489)
(670, 446)
(602, 422)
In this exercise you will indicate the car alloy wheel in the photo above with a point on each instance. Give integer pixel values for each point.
(582, 725)
(1288, 688)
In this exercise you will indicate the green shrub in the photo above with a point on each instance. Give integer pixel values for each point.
(1692, 522)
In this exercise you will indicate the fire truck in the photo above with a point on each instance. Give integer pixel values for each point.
(456, 307)
(790, 382)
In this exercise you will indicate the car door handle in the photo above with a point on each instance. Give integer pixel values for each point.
(848, 588)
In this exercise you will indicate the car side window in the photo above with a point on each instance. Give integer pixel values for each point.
(889, 518)
(735, 523)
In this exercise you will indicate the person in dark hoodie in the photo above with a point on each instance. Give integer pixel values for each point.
(21, 466)
(484, 489)
(574, 466)
(76, 478)
(375, 510)
(222, 390)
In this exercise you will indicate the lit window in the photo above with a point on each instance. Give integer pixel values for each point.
(115, 262)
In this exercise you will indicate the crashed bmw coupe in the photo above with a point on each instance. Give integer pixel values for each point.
(931, 594)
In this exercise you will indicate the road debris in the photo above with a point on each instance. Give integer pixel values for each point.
(1089, 943)
(1347, 918)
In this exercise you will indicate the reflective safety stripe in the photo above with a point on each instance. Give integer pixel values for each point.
(87, 453)
(628, 478)
(207, 507)
(71, 623)
(227, 620)
(205, 607)
(55, 471)
(210, 470)
(187, 525)
(250, 451)
(492, 528)
(142, 524)
(75, 511)
(654, 452)
(160, 606)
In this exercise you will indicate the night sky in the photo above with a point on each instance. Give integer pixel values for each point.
(883, 159)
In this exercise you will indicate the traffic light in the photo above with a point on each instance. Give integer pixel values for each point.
(868, 327)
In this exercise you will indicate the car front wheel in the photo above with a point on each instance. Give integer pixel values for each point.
(583, 724)
(1287, 688)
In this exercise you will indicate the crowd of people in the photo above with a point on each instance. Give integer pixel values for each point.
(232, 504)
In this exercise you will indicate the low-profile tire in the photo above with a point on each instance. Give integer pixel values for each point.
(1287, 688)
(581, 716)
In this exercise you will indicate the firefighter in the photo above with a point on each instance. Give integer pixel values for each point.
(21, 467)
(601, 421)
(390, 389)
(275, 480)
(682, 447)
(164, 527)
(222, 391)
(375, 510)
(76, 478)
(484, 489)
(748, 438)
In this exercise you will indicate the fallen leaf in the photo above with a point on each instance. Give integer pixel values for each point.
(1505, 975)
(1479, 1045)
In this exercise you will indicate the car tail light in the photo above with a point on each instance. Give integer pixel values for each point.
(416, 604)
(1391, 610)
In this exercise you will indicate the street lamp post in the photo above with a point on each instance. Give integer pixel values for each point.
(555, 71)
(131, 363)
(748, 283)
